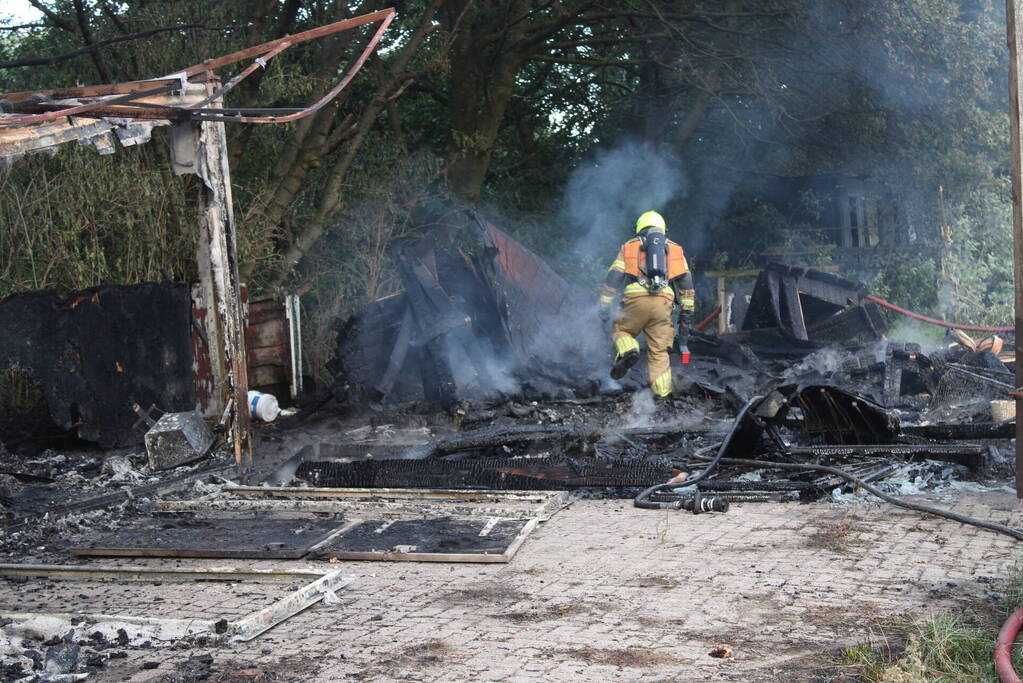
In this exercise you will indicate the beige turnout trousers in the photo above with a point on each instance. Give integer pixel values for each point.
(649, 314)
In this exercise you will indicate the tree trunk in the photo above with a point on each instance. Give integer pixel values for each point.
(331, 199)
(482, 87)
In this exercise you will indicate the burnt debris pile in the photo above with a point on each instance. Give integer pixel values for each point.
(518, 358)
(480, 316)
(591, 445)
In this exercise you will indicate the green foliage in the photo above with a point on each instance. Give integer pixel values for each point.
(953, 650)
(908, 279)
(981, 269)
(75, 220)
(868, 662)
(946, 647)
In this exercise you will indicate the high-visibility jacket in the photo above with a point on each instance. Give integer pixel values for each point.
(630, 267)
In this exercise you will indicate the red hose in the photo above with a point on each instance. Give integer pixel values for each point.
(935, 321)
(703, 323)
(1003, 648)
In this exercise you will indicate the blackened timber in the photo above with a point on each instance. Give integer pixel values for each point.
(963, 431)
(792, 308)
(863, 321)
(843, 418)
(805, 306)
(524, 474)
(398, 354)
(484, 308)
(211, 537)
(497, 436)
(970, 455)
(487, 437)
(95, 352)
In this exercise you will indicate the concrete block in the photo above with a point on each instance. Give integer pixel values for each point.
(176, 439)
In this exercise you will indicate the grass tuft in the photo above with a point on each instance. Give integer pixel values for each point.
(946, 647)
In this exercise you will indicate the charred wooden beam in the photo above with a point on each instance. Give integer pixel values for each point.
(523, 474)
(962, 432)
(970, 455)
(804, 306)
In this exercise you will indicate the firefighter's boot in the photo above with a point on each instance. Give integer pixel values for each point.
(628, 355)
(623, 363)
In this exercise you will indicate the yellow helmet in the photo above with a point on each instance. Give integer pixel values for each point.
(651, 219)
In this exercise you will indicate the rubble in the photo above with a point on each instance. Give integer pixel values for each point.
(177, 439)
(805, 308)
(811, 343)
(478, 318)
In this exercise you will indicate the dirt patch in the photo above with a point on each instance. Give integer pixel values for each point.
(842, 536)
(285, 669)
(629, 657)
(485, 593)
(547, 613)
(656, 582)
(429, 653)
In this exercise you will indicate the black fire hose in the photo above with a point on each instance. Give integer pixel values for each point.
(642, 502)
(643, 499)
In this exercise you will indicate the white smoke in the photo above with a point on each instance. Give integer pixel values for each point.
(604, 197)
(640, 413)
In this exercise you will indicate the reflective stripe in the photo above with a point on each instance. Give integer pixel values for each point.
(605, 299)
(636, 288)
(618, 265)
(624, 344)
(687, 298)
(662, 385)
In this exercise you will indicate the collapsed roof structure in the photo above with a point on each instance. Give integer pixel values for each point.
(479, 314)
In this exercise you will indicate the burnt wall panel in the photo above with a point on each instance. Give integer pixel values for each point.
(268, 348)
(97, 351)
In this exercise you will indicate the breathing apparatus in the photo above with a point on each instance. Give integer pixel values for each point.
(651, 230)
(655, 244)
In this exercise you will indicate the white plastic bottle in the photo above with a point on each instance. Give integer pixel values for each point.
(263, 406)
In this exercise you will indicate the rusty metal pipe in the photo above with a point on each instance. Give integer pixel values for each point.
(244, 73)
(319, 104)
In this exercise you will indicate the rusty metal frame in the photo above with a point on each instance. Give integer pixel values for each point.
(127, 94)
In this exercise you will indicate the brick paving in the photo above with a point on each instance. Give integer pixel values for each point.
(604, 591)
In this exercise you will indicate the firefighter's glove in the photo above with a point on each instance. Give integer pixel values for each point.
(683, 339)
(605, 314)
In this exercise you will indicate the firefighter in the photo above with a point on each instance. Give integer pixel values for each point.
(655, 275)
